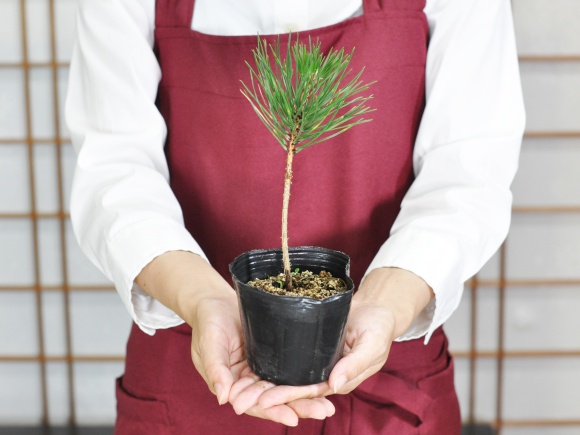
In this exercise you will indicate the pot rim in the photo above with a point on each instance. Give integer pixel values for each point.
(290, 249)
(304, 299)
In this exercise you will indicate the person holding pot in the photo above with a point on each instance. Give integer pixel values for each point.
(164, 197)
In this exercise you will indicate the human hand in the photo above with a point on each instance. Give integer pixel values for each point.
(218, 355)
(189, 286)
(384, 307)
(217, 351)
(386, 304)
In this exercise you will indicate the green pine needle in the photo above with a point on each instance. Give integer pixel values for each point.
(304, 98)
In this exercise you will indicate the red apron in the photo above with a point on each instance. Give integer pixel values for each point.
(227, 173)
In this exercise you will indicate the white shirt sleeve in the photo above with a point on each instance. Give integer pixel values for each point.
(457, 211)
(123, 211)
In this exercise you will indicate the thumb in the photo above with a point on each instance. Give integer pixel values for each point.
(213, 363)
(365, 358)
(220, 381)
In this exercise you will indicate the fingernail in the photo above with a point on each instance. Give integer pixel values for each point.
(332, 411)
(292, 422)
(219, 392)
(339, 383)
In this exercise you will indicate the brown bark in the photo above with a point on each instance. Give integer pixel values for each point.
(285, 203)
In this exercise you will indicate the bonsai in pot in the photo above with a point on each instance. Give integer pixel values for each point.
(294, 302)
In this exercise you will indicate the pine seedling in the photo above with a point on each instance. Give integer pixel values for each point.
(303, 99)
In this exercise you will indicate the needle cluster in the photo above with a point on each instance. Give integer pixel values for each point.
(303, 98)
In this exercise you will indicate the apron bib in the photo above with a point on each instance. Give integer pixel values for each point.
(227, 172)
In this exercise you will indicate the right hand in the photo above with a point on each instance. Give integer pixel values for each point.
(188, 285)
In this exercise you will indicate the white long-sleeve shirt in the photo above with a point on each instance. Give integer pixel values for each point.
(452, 220)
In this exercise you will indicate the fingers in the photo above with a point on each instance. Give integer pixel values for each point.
(362, 361)
(318, 408)
(216, 344)
(289, 414)
(217, 375)
(246, 394)
(354, 383)
(279, 414)
(217, 363)
(367, 346)
(287, 393)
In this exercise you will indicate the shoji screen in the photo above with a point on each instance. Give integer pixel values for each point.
(62, 328)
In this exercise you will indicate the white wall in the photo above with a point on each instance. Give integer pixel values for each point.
(540, 246)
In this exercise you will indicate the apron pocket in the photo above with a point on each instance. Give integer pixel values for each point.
(137, 416)
(382, 419)
(443, 416)
(440, 383)
(386, 404)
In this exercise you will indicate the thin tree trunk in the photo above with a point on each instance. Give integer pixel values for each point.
(286, 201)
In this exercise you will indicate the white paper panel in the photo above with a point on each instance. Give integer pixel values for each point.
(547, 26)
(14, 180)
(486, 389)
(10, 31)
(542, 388)
(552, 95)
(57, 380)
(12, 105)
(54, 323)
(20, 393)
(46, 180)
(487, 318)
(462, 385)
(50, 252)
(544, 246)
(18, 326)
(100, 323)
(65, 28)
(485, 384)
(490, 270)
(543, 318)
(41, 102)
(38, 30)
(548, 430)
(458, 327)
(95, 392)
(16, 252)
(549, 173)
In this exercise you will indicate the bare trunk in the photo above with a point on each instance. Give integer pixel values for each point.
(286, 201)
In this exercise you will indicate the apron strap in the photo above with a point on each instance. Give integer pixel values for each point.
(174, 13)
(401, 5)
(179, 13)
(370, 6)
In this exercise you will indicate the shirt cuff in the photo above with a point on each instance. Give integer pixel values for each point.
(130, 251)
(433, 258)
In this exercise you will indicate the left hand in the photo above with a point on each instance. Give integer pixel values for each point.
(383, 308)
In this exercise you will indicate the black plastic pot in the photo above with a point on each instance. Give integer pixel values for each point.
(292, 340)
